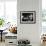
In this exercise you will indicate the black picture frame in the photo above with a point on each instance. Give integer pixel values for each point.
(27, 17)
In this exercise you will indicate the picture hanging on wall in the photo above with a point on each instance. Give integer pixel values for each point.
(27, 17)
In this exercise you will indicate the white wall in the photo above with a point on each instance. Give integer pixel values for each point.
(29, 31)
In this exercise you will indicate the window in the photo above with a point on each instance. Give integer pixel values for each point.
(11, 11)
(8, 10)
(1, 9)
(44, 10)
(44, 16)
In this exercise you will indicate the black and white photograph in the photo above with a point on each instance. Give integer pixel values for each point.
(27, 17)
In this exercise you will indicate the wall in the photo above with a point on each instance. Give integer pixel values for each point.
(29, 31)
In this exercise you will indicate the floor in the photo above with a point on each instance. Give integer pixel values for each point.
(2, 43)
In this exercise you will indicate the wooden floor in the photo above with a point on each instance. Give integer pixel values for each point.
(2, 43)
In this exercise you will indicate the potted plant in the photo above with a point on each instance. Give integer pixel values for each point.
(1, 22)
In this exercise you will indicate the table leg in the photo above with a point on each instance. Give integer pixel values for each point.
(1, 36)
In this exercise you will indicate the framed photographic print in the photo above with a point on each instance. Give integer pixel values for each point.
(27, 17)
